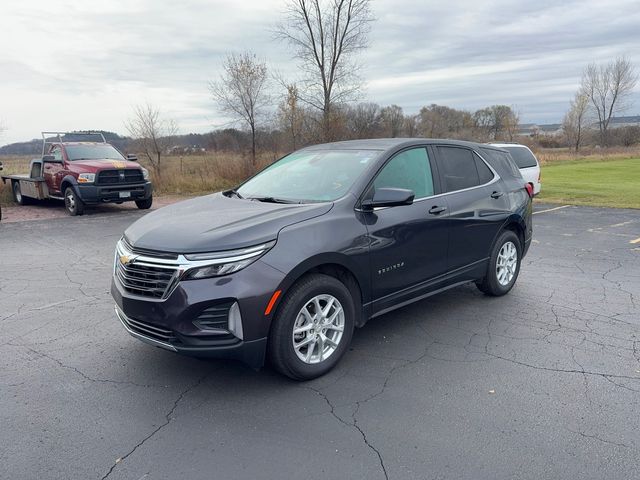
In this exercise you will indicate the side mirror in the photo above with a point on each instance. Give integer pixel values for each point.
(389, 197)
(51, 159)
(132, 157)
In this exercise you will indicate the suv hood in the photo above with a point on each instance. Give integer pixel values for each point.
(215, 222)
(94, 166)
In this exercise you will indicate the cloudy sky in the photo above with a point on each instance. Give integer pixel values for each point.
(82, 64)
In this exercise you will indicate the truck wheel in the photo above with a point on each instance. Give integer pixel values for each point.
(17, 194)
(144, 204)
(73, 204)
(312, 328)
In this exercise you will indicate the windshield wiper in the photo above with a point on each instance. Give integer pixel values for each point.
(270, 200)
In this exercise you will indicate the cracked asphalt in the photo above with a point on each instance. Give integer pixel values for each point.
(542, 383)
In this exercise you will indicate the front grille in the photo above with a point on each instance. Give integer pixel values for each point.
(148, 330)
(215, 318)
(145, 280)
(120, 177)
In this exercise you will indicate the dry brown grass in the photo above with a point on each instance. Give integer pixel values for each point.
(559, 155)
(180, 175)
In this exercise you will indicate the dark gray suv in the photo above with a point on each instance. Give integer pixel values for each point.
(289, 263)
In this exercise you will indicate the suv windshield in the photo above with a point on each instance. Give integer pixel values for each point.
(523, 157)
(92, 152)
(309, 176)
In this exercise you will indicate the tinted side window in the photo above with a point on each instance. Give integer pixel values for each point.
(484, 173)
(501, 163)
(523, 156)
(409, 169)
(458, 168)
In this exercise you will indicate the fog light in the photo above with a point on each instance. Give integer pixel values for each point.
(235, 321)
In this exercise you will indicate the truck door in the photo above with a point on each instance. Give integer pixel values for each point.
(53, 169)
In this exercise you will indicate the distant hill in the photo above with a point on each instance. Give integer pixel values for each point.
(34, 147)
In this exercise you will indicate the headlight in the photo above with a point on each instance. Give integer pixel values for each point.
(86, 178)
(215, 264)
(145, 174)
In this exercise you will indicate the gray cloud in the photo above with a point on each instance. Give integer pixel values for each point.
(82, 65)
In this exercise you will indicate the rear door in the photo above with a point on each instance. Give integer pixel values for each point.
(408, 244)
(476, 205)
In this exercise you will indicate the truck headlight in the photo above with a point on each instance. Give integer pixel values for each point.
(145, 174)
(86, 178)
(216, 264)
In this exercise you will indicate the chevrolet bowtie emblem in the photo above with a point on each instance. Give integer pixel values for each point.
(126, 259)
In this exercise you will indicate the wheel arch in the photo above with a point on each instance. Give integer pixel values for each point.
(516, 224)
(334, 265)
(69, 181)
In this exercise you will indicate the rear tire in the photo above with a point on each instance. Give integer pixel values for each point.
(145, 204)
(321, 340)
(73, 203)
(504, 265)
(17, 194)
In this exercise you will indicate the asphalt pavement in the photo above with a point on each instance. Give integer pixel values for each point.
(543, 383)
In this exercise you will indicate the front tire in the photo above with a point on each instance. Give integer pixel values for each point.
(504, 265)
(73, 203)
(312, 328)
(144, 204)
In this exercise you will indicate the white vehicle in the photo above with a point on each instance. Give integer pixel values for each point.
(527, 163)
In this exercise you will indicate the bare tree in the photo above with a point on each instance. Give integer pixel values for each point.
(327, 35)
(609, 88)
(575, 120)
(291, 116)
(241, 91)
(364, 120)
(496, 122)
(392, 120)
(152, 133)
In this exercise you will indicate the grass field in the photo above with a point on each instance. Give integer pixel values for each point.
(611, 183)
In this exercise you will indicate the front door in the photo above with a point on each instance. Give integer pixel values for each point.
(52, 170)
(408, 244)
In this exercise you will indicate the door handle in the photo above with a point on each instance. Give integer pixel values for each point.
(496, 194)
(436, 210)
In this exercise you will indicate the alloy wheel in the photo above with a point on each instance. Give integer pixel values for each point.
(506, 263)
(318, 329)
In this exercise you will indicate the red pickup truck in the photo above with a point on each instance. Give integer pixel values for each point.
(82, 173)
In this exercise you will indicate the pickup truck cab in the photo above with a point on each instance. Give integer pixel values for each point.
(82, 173)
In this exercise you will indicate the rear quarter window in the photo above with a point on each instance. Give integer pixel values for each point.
(501, 162)
(522, 156)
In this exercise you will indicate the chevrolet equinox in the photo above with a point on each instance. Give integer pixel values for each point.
(286, 265)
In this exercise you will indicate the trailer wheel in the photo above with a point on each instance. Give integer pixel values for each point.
(73, 204)
(17, 194)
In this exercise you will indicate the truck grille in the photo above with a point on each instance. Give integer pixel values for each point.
(120, 177)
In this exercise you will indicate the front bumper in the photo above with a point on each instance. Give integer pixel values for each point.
(172, 323)
(94, 194)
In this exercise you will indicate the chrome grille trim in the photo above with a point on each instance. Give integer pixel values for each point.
(129, 326)
(161, 271)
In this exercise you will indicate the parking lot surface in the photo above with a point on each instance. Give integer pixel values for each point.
(541, 383)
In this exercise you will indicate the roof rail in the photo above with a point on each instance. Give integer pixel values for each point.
(60, 135)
